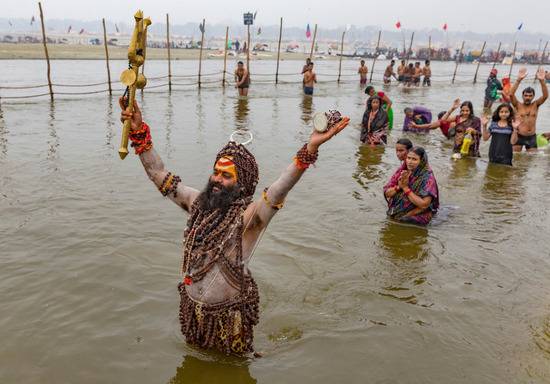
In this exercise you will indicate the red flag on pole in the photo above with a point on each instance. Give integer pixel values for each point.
(445, 27)
(398, 25)
(308, 31)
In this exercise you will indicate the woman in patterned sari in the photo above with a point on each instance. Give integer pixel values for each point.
(412, 194)
(375, 123)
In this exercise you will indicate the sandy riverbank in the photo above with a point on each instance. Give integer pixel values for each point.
(91, 52)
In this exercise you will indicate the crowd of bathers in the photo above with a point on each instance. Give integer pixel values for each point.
(412, 194)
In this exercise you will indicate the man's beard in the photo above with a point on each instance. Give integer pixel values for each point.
(221, 199)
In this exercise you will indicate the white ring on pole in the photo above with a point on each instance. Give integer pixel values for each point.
(242, 133)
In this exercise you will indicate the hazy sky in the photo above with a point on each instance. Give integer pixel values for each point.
(472, 15)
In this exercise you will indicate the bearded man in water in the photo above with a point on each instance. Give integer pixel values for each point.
(527, 111)
(219, 299)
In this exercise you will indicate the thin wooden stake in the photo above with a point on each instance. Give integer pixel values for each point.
(498, 55)
(513, 58)
(107, 57)
(279, 52)
(479, 61)
(248, 49)
(341, 55)
(168, 48)
(200, 52)
(46, 50)
(458, 61)
(410, 49)
(313, 42)
(375, 56)
(225, 55)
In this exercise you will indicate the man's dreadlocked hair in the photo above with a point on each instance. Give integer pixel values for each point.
(247, 168)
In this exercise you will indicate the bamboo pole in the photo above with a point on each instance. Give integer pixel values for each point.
(541, 60)
(458, 61)
(375, 56)
(225, 55)
(429, 47)
(168, 48)
(498, 55)
(313, 42)
(410, 49)
(46, 50)
(279, 51)
(513, 57)
(248, 49)
(200, 52)
(107, 57)
(341, 55)
(479, 61)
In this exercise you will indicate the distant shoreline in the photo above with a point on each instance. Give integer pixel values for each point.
(97, 52)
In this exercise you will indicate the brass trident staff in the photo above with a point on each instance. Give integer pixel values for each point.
(131, 77)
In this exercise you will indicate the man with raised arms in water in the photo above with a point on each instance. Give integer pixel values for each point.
(219, 299)
(362, 71)
(527, 111)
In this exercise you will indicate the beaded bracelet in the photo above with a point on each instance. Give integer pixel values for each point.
(304, 159)
(170, 185)
(141, 139)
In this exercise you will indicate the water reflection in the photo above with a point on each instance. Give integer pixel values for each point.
(197, 371)
(110, 126)
(199, 112)
(53, 140)
(461, 171)
(307, 108)
(169, 123)
(275, 115)
(404, 246)
(503, 193)
(368, 159)
(404, 241)
(3, 136)
(241, 113)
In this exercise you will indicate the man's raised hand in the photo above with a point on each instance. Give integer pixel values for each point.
(318, 138)
(134, 117)
(541, 74)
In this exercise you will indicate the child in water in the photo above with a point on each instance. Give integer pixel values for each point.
(503, 132)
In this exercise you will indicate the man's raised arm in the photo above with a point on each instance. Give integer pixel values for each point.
(541, 76)
(273, 198)
(521, 75)
(168, 184)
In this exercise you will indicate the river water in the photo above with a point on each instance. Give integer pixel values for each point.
(90, 251)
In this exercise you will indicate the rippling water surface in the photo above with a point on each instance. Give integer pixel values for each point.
(89, 251)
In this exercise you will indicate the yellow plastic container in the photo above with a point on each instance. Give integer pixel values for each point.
(465, 149)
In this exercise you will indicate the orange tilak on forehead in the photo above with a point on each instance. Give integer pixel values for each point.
(226, 164)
